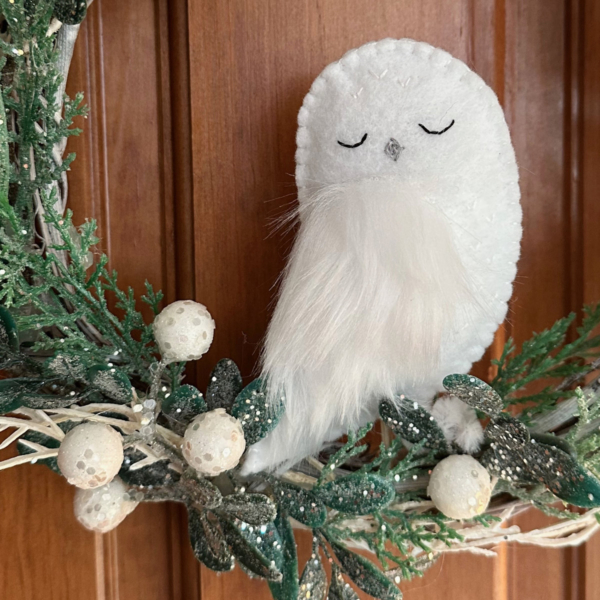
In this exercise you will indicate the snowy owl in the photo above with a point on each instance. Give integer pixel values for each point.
(410, 228)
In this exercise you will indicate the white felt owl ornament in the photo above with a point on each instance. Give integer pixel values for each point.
(410, 228)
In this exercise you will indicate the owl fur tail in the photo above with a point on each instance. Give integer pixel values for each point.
(368, 302)
(459, 423)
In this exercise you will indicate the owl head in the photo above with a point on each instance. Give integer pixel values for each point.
(406, 110)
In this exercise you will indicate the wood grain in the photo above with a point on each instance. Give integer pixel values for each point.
(534, 101)
(131, 180)
(121, 178)
(589, 177)
(188, 156)
(251, 64)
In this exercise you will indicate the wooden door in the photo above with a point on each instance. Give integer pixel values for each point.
(186, 158)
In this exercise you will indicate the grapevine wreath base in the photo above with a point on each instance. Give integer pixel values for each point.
(96, 393)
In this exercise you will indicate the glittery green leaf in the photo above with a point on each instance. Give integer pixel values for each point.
(182, 405)
(254, 509)
(507, 431)
(31, 393)
(365, 574)
(12, 390)
(201, 491)
(267, 539)
(313, 583)
(225, 385)
(412, 422)
(536, 463)
(247, 551)
(111, 382)
(68, 367)
(251, 408)
(156, 474)
(208, 541)
(9, 337)
(339, 589)
(550, 439)
(358, 494)
(303, 505)
(474, 392)
(44, 401)
(288, 587)
(71, 12)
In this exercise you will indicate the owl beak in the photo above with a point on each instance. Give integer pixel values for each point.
(393, 149)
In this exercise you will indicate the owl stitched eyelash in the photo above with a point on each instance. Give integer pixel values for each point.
(362, 141)
(436, 132)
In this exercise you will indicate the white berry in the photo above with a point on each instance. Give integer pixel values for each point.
(184, 331)
(460, 487)
(214, 442)
(90, 455)
(103, 508)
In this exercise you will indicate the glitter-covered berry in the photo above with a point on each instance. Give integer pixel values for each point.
(460, 487)
(214, 442)
(184, 331)
(102, 509)
(90, 455)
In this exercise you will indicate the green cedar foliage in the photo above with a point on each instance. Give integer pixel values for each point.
(547, 356)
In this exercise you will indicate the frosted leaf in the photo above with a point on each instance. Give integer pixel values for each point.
(257, 417)
(66, 366)
(535, 463)
(507, 431)
(157, 474)
(365, 574)
(224, 386)
(413, 423)
(313, 582)
(208, 541)
(12, 390)
(288, 586)
(182, 405)
(339, 589)
(9, 339)
(357, 493)
(43, 401)
(255, 509)
(474, 392)
(111, 382)
(254, 549)
(303, 505)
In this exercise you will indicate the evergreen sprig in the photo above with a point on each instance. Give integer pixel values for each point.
(40, 120)
(345, 453)
(83, 340)
(584, 436)
(546, 356)
(61, 302)
(54, 299)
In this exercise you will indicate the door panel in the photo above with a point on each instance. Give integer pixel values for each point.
(186, 161)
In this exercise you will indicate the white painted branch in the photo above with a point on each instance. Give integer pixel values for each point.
(27, 458)
(18, 423)
(14, 436)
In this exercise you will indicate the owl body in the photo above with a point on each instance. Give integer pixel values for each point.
(410, 228)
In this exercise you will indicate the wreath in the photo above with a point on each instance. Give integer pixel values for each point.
(98, 395)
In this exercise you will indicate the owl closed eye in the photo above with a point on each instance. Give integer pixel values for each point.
(438, 132)
(362, 141)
